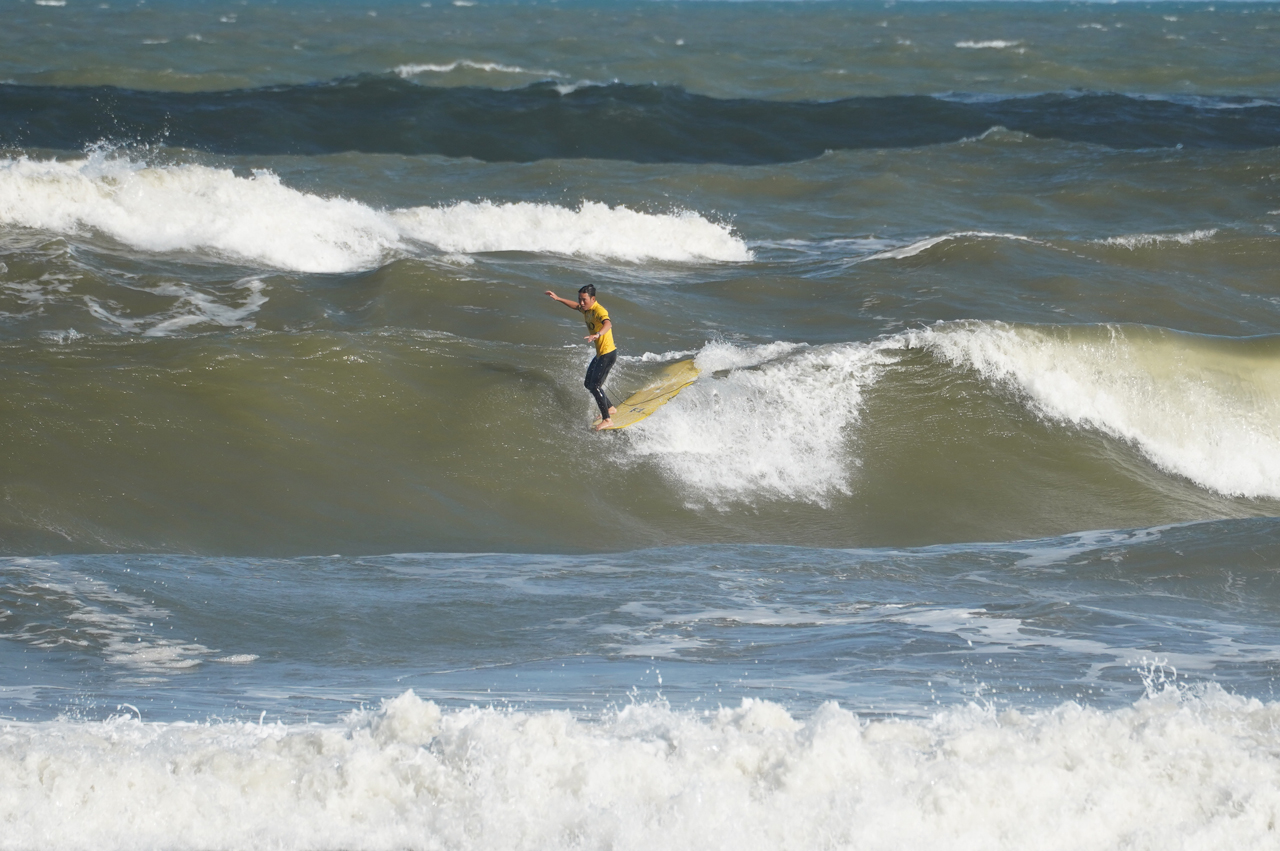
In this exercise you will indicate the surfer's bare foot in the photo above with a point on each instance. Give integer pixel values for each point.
(604, 423)
(613, 411)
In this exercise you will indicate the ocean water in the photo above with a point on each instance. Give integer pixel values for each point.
(965, 538)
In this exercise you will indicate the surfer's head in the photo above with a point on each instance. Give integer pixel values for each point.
(586, 296)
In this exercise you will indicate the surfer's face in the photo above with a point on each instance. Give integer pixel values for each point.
(585, 301)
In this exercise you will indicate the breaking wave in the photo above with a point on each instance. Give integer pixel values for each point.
(1205, 408)
(258, 220)
(780, 421)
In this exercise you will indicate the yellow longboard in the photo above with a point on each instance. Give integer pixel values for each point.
(642, 403)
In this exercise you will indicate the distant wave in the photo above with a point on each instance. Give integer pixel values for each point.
(1145, 240)
(994, 44)
(260, 221)
(412, 70)
(1176, 768)
(882, 249)
(643, 123)
(923, 245)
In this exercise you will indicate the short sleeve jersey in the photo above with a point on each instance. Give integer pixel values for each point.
(595, 321)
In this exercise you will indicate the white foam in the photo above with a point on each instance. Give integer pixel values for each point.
(1174, 770)
(766, 421)
(1002, 633)
(61, 337)
(253, 219)
(845, 249)
(1146, 240)
(50, 287)
(121, 626)
(1000, 133)
(412, 70)
(1204, 408)
(570, 88)
(994, 44)
(1207, 101)
(658, 357)
(197, 308)
(592, 230)
(193, 307)
(259, 221)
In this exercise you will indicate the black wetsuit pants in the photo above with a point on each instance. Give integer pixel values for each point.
(596, 374)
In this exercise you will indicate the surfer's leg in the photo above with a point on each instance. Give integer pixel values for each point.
(596, 375)
(595, 378)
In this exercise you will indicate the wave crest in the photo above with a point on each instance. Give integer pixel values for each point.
(260, 221)
(592, 230)
(1200, 407)
(414, 69)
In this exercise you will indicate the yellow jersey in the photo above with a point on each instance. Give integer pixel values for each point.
(595, 317)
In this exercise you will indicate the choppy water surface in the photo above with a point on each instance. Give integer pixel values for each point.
(965, 536)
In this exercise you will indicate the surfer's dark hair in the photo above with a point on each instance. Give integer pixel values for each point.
(589, 289)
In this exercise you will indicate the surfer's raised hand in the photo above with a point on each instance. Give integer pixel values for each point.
(564, 301)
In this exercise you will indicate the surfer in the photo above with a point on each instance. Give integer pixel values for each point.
(601, 328)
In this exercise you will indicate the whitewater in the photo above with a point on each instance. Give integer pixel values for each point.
(1191, 770)
(257, 220)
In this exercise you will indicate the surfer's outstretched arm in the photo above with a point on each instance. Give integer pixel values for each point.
(573, 305)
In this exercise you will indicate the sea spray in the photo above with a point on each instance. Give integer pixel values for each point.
(767, 421)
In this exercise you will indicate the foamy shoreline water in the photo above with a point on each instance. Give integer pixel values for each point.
(1194, 770)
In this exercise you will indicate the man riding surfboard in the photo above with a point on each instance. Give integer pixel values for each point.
(601, 328)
